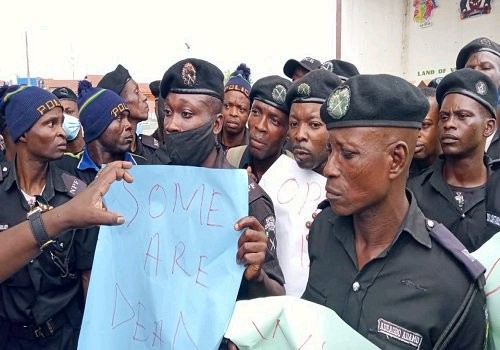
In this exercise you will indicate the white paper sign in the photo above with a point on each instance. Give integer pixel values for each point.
(295, 193)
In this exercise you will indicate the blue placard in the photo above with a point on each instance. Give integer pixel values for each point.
(167, 278)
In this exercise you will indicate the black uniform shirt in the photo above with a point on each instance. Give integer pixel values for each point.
(261, 207)
(404, 298)
(39, 291)
(151, 149)
(437, 201)
(494, 149)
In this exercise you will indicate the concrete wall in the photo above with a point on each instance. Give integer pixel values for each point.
(382, 37)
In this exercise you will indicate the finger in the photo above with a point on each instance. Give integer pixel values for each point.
(252, 236)
(245, 251)
(109, 218)
(252, 272)
(248, 222)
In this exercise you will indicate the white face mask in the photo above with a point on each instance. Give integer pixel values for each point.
(71, 127)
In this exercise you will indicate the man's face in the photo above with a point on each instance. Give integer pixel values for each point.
(185, 112)
(487, 63)
(70, 107)
(235, 112)
(298, 73)
(136, 101)
(463, 125)
(308, 136)
(356, 169)
(46, 139)
(268, 127)
(118, 137)
(428, 146)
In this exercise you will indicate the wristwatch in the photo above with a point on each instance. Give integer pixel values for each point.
(35, 218)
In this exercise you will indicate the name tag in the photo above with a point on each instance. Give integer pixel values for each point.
(397, 332)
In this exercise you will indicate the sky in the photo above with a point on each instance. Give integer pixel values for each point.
(76, 38)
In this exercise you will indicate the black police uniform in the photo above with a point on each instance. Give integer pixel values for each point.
(148, 147)
(41, 306)
(437, 201)
(494, 149)
(493, 197)
(407, 296)
(261, 207)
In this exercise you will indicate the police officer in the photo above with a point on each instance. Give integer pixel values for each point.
(154, 86)
(428, 147)
(8, 149)
(122, 84)
(307, 134)
(483, 54)
(193, 91)
(41, 306)
(398, 279)
(108, 132)
(71, 125)
(297, 69)
(458, 183)
(236, 109)
(18, 244)
(268, 126)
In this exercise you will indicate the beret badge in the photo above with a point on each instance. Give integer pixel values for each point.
(485, 41)
(278, 94)
(481, 88)
(188, 74)
(338, 102)
(327, 66)
(304, 90)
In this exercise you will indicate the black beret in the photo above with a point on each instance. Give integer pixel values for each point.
(271, 90)
(380, 100)
(65, 93)
(307, 63)
(434, 82)
(476, 45)
(313, 87)
(193, 76)
(154, 86)
(115, 80)
(343, 69)
(471, 83)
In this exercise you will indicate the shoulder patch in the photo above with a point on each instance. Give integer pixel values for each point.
(451, 243)
(149, 141)
(73, 184)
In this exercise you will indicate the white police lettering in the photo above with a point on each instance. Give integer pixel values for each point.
(48, 106)
(251, 186)
(3, 227)
(309, 59)
(493, 219)
(118, 109)
(397, 332)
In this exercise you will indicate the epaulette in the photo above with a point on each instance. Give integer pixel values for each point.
(73, 184)
(149, 141)
(254, 190)
(450, 243)
(74, 155)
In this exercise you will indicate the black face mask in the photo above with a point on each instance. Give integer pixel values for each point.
(190, 147)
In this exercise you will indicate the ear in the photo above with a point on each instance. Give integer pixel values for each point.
(23, 138)
(219, 119)
(490, 127)
(399, 153)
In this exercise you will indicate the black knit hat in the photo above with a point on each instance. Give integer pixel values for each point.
(471, 83)
(343, 69)
(64, 93)
(115, 80)
(193, 76)
(307, 63)
(271, 90)
(380, 100)
(154, 86)
(313, 87)
(476, 45)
